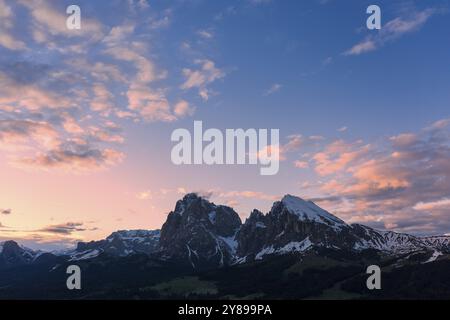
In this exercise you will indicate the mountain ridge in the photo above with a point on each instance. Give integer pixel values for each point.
(203, 235)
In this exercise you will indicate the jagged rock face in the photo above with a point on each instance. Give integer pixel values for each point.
(200, 233)
(253, 234)
(11, 254)
(439, 242)
(394, 242)
(292, 224)
(385, 240)
(121, 243)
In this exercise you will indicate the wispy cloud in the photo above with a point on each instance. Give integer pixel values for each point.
(247, 194)
(259, 2)
(200, 78)
(391, 31)
(64, 228)
(433, 205)
(5, 211)
(205, 34)
(71, 157)
(273, 89)
(50, 237)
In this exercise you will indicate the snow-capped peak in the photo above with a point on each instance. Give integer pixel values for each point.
(308, 210)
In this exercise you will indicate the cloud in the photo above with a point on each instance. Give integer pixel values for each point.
(301, 164)
(152, 105)
(138, 4)
(101, 135)
(7, 39)
(64, 228)
(52, 112)
(273, 89)
(440, 124)
(247, 194)
(50, 237)
(337, 156)
(342, 129)
(362, 47)
(327, 61)
(146, 70)
(182, 108)
(259, 2)
(103, 99)
(71, 125)
(144, 195)
(48, 149)
(433, 205)
(205, 34)
(29, 96)
(49, 22)
(149, 102)
(5, 211)
(118, 34)
(202, 77)
(26, 132)
(391, 31)
(71, 156)
(402, 181)
(100, 71)
(294, 143)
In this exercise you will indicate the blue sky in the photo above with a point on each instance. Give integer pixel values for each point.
(86, 116)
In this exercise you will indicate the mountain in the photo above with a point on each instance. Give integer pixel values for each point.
(292, 225)
(399, 243)
(12, 254)
(120, 243)
(296, 225)
(204, 250)
(202, 235)
(199, 233)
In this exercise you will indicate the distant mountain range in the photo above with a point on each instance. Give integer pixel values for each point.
(200, 238)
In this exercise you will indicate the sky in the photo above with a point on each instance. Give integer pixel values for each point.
(86, 115)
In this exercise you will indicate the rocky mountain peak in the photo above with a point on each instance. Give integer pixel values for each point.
(199, 232)
(11, 253)
(119, 243)
(309, 211)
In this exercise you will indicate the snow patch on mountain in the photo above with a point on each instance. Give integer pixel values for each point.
(398, 243)
(308, 210)
(88, 254)
(231, 243)
(291, 247)
(434, 256)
